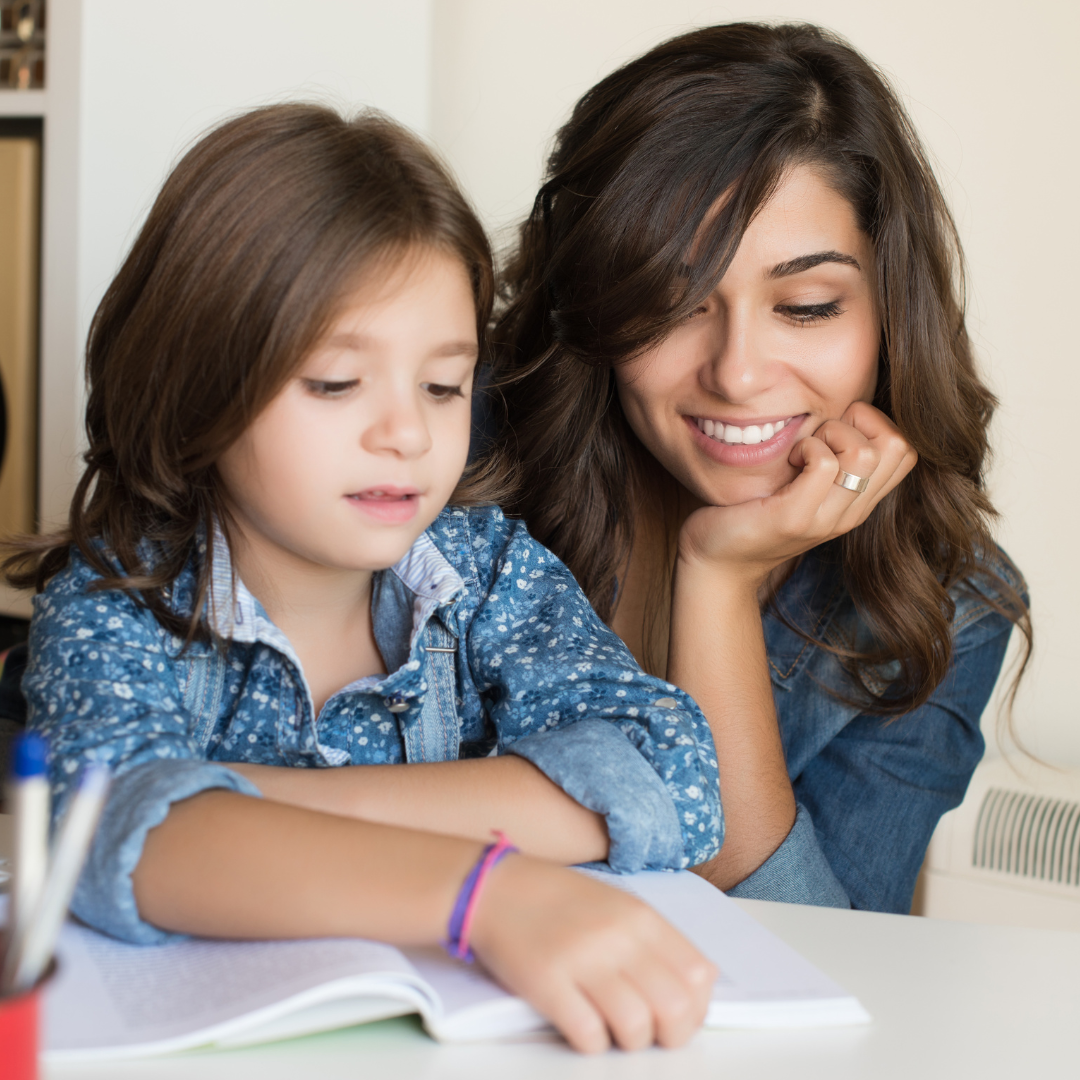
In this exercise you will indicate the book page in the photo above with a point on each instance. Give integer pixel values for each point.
(763, 981)
(112, 995)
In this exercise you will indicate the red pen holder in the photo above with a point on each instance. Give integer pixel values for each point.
(19, 1030)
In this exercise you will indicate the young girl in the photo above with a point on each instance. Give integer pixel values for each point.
(263, 591)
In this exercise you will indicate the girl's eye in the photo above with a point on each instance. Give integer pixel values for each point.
(695, 313)
(808, 314)
(324, 388)
(440, 392)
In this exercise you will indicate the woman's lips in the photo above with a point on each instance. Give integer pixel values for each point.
(388, 504)
(744, 455)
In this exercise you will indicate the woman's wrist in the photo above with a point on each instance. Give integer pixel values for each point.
(728, 582)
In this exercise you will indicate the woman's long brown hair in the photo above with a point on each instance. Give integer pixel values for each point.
(256, 239)
(599, 275)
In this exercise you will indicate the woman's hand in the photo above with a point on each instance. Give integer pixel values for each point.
(751, 539)
(602, 966)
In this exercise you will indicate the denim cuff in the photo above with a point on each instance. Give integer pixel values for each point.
(598, 767)
(797, 872)
(138, 800)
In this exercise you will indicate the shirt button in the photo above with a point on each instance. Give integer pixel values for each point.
(395, 703)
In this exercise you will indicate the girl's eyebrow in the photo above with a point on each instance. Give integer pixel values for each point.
(362, 343)
(808, 262)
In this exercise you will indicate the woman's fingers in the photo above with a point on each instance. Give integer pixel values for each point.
(854, 451)
(755, 536)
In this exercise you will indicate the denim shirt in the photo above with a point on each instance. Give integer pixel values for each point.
(491, 646)
(869, 789)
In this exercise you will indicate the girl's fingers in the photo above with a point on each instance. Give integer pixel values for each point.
(678, 998)
(574, 1016)
(628, 1014)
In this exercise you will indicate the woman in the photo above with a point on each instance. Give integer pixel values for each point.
(746, 414)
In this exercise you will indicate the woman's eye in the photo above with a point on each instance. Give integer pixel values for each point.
(440, 392)
(808, 314)
(696, 312)
(327, 389)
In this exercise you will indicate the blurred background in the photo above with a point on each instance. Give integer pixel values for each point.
(98, 97)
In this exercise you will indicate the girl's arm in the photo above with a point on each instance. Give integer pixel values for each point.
(591, 958)
(598, 761)
(454, 798)
(717, 646)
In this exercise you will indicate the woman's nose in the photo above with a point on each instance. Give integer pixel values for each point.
(736, 367)
(398, 428)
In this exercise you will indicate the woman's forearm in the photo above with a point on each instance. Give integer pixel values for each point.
(466, 798)
(717, 655)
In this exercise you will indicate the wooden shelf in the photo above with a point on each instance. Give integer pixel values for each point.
(22, 102)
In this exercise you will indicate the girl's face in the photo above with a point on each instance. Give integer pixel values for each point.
(359, 452)
(787, 340)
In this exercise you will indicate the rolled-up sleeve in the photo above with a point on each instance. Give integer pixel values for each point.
(138, 800)
(643, 830)
(565, 693)
(797, 872)
(101, 689)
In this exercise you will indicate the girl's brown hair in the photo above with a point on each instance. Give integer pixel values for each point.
(600, 275)
(256, 238)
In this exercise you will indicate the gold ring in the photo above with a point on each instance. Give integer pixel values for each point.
(851, 482)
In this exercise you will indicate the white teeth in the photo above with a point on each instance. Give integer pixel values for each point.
(750, 435)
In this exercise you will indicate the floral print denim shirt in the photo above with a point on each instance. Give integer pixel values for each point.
(532, 671)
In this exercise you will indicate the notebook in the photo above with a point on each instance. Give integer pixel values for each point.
(112, 1000)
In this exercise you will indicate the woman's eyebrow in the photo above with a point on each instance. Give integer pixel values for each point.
(808, 262)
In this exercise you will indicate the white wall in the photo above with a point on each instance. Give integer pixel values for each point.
(131, 84)
(994, 90)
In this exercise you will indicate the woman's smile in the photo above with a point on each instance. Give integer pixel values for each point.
(749, 443)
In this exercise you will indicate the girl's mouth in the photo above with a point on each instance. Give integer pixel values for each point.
(387, 503)
(746, 444)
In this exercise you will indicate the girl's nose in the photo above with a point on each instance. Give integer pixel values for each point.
(736, 367)
(399, 428)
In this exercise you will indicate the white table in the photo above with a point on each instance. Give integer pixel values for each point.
(949, 1000)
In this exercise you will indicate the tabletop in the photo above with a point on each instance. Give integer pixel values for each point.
(948, 1000)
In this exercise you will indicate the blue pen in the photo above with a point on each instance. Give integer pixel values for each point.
(28, 800)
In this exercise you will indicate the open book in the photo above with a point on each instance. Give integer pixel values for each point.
(113, 1000)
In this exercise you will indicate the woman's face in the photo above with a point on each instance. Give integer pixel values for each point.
(787, 340)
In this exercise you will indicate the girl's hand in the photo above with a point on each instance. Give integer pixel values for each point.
(750, 539)
(602, 966)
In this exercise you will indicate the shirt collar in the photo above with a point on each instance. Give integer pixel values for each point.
(234, 612)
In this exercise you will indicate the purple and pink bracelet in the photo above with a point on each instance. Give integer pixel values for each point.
(461, 917)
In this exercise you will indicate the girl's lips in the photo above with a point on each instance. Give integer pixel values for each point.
(745, 456)
(388, 504)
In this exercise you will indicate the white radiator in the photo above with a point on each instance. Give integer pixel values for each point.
(1010, 853)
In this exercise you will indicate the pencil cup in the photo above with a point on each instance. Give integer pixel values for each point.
(19, 1031)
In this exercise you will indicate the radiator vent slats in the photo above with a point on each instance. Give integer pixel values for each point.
(1033, 836)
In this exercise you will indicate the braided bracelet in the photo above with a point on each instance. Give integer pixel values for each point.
(461, 918)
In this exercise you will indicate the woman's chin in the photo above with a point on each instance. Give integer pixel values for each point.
(741, 489)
